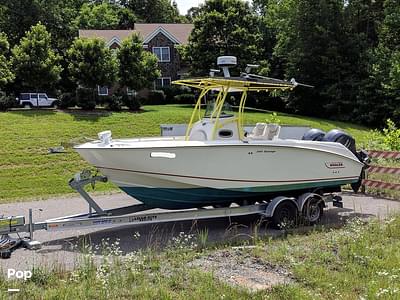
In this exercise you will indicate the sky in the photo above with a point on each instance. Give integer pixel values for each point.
(185, 5)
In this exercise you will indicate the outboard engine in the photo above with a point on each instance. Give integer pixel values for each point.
(339, 136)
(314, 134)
(348, 141)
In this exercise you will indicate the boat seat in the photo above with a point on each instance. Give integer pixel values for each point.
(258, 131)
(264, 131)
(271, 131)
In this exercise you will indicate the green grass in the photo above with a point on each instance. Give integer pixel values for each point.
(359, 261)
(28, 172)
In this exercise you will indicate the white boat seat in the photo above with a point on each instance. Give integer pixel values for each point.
(258, 131)
(271, 131)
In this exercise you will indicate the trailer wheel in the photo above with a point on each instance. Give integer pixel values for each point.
(285, 215)
(313, 211)
(5, 254)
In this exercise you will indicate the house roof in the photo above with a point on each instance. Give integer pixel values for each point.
(109, 36)
(178, 33)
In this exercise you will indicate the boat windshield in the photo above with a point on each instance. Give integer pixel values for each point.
(211, 110)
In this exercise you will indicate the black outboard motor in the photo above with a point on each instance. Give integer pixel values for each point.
(314, 134)
(339, 136)
(348, 141)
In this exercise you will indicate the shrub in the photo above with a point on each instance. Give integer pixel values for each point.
(6, 102)
(85, 98)
(185, 99)
(156, 97)
(115, 102)
(67, 100)
(133, 103)
(172, 91)
(391, 137)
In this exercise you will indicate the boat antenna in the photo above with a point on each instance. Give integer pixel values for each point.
(295, 83)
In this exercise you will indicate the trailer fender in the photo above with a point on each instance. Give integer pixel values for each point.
(269, 211)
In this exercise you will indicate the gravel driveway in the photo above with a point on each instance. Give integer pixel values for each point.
(59, 250)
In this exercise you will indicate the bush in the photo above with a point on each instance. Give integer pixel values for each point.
(172, 91)
(85, 98)
(185, 99)
(115, 102)
(156, 97)
(67, 100)
(131, 102)
(391, 137)
(6, 102)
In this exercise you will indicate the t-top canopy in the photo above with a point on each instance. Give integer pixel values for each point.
(249, 83)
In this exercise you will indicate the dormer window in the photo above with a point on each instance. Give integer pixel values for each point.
(162, 53)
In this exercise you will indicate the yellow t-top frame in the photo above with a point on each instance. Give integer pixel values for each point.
(224, 86)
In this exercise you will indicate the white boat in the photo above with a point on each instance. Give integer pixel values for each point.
(217, 163)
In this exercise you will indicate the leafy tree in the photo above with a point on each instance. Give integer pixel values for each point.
(309, 43)
(17, 17)
(154, 11)
(362, 20)
(138, 68)
(35, 62)
(91, 63)
(192, 13)
(6, 75)
(97, 16)
(386, 64)
(223, 27)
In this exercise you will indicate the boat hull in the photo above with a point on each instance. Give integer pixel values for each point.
(183, 174)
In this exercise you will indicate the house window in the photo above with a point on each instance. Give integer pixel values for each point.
(162, 82)
(102, 90)
(162, 53)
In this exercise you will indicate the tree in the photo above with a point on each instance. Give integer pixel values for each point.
(362, 20)
(6, 75)
(91, 63)
(309, 43)
(192, 13)
(223, 27)
(17, 17)
(97, 16)
(138, 68)
(386, 65)
(154, 11)
(35, 62)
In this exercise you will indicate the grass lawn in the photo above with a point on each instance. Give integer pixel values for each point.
(28, 172)
(359, 261)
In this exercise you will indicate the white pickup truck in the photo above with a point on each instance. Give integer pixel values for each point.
(29, 100)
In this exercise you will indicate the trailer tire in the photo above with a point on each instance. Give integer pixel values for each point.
(313, 211)
(5, 254)
(285, 215)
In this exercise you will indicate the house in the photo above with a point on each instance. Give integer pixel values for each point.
(161, 39)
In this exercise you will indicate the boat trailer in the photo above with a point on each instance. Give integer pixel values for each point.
(99, 218)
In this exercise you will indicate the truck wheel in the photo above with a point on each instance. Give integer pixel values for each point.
(55, 105)
(313, 211)
(285, 215)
